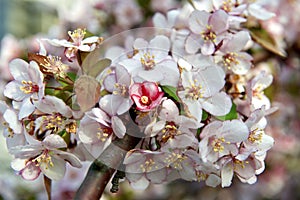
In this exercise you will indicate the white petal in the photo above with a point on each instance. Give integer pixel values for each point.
(50, 104)
(12, 119)
(69, 157)
(195, 109)
(219, 21)
(26, 108)
(218, 105)
(212, 80)
(55, 171)
(159, 20)
(118, 127)
(193, 43)
(140, 44)
(140, 184)
(213, 180)
(30, 172)
(227, 175)
(160, 42)
(234, 131)
(259, 12)
(169, 110)
(18, 164)
(19, 69)
(157, 176)
(12, 90)
(54, 142)
(198, 21)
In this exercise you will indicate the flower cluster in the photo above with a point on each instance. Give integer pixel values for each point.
(191, 91)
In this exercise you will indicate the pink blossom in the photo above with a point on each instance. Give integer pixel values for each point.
(146, 95)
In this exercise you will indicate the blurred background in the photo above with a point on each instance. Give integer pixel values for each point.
(23, 21)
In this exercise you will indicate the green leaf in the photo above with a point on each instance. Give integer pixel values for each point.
(231, 115)
(72, 76)
(204, 115)
(171, 92)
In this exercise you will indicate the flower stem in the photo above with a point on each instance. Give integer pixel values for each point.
(103, 168)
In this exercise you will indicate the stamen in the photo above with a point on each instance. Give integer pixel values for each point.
(148, 165)
(208, 34)
(148, 61)
(217, 144)
(29, 87)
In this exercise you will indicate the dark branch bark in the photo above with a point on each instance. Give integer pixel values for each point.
(103, 168)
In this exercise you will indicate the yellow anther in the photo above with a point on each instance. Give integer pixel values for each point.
(256, 136)
(120, 89)
(29, 87)
(217, 144)
(145, 100)
(44, 158)
(148, 61)
(148, 165)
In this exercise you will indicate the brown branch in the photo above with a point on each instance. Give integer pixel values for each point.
(102, 169)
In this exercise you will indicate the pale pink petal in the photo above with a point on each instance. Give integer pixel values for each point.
(169, 110)
(12, 119)
(213, 180)
(160, 42)
(218, 105)
(140, 44)
(157, 176)
(26, 108)
(227, 174)
(30, 172)
(12, 90)
(118, 127)
(109, 82)
(140, 184)
(54, 142)
(193, 43)
(212, 80)
(69, 157)
(234, 131)
(198, 21)
(56, 171)
(208, 48)
(18, 69)
(259, 12)
(195, 109)
(219, 21)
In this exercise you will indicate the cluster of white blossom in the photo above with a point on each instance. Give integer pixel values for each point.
(191, 90)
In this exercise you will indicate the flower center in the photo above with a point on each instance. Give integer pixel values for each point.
(145, 100)
(170, 131)
(175, 160)
(148, 165)
(239, 163)
(120, 89)
(29, 87)
(258, 91)
(194, 92)
(77, 35)
(217, 144)
(209, 34)
(44, 158)
(103, 133)
(148, 61)
(256, 136)
(230, 59)
(54, 66)
(52, 122)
